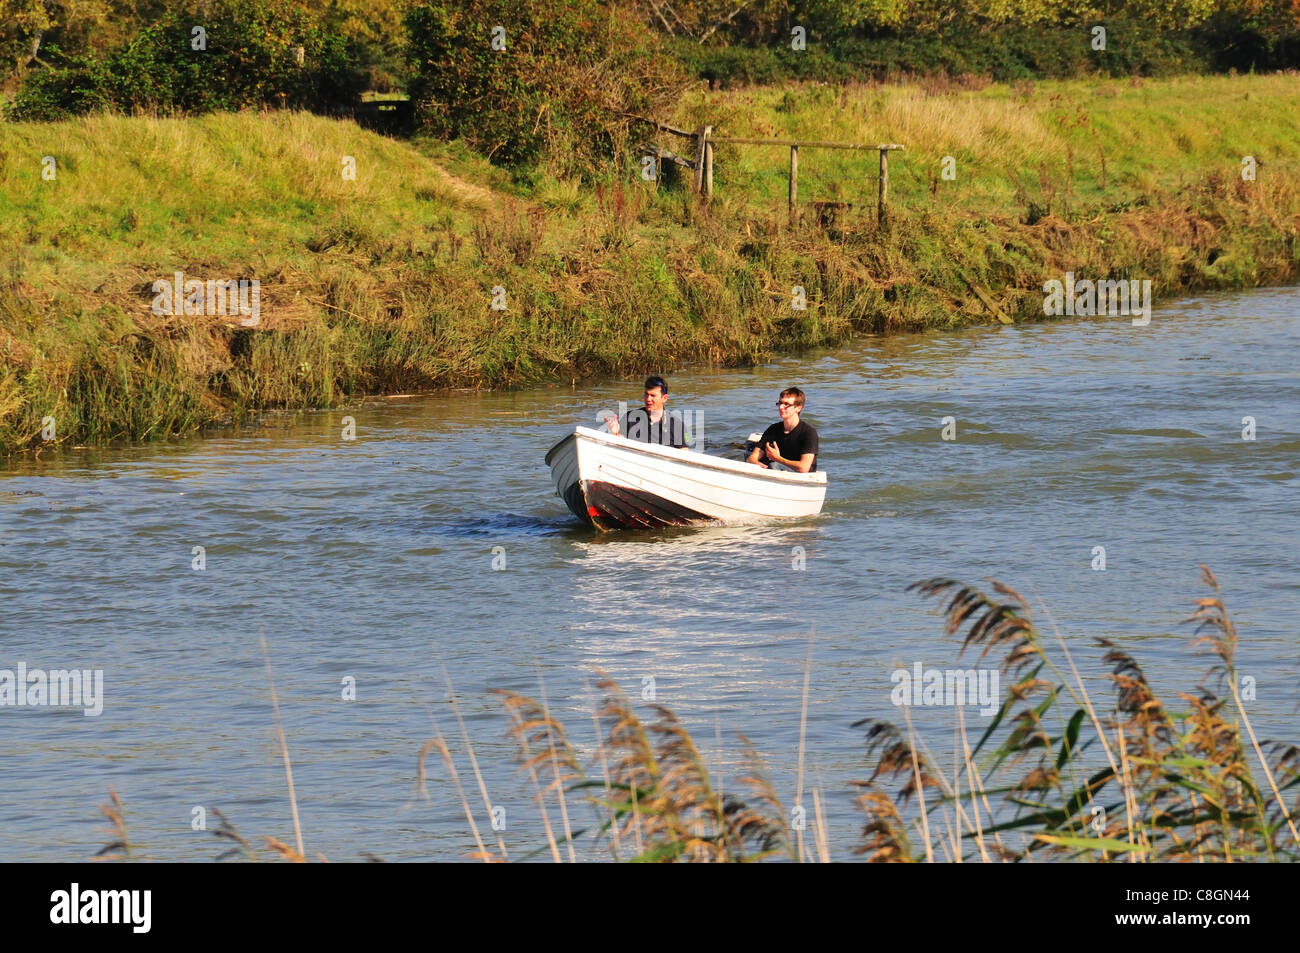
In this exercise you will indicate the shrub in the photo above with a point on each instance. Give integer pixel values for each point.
(561, 89)
(250, 60)
(1002, 52)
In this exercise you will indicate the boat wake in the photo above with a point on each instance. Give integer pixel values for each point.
(505, 524)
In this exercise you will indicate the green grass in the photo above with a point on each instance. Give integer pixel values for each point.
(384, 283)
(1008, 139)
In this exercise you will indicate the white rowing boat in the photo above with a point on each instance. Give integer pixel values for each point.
(611, 482)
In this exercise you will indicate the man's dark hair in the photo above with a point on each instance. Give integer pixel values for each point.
(656, 381)
(792, 392)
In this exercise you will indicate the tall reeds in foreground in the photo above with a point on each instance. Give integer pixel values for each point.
(1135, 781)
(656, 799)
(1055, 775)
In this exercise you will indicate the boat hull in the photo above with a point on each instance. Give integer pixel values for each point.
(614, 483)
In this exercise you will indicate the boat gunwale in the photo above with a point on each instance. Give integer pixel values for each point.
(702, 461)
(556, 449)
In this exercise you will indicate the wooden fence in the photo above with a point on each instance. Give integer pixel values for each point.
(701, 160)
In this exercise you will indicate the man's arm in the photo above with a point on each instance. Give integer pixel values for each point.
(755, 457)
(802, 465)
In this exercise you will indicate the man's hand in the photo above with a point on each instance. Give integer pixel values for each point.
(773, 452)
(612, 423)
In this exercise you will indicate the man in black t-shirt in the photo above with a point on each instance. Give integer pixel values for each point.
(652, 424)
(791, 442)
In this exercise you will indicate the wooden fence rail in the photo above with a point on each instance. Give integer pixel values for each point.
(702, 165)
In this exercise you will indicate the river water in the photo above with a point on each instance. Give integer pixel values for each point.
(372, 559)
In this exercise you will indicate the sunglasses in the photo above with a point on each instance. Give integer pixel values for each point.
(786, 403)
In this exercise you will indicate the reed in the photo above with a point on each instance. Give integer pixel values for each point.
(469, 748)
(1173, 786)
(119, 841)
(299, 855)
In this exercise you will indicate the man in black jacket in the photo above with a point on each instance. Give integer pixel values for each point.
(791, 442)
(653, 424)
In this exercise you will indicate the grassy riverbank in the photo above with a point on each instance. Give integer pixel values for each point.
(384, 283)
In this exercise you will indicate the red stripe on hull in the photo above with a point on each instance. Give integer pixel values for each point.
(620, 507)
(607, 506)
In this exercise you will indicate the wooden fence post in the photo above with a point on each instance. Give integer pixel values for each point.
(708, 170)
(884, 188)
(701, 144)
(794, 182)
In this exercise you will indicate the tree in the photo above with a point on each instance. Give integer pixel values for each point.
(521, 80)
(250, 53)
